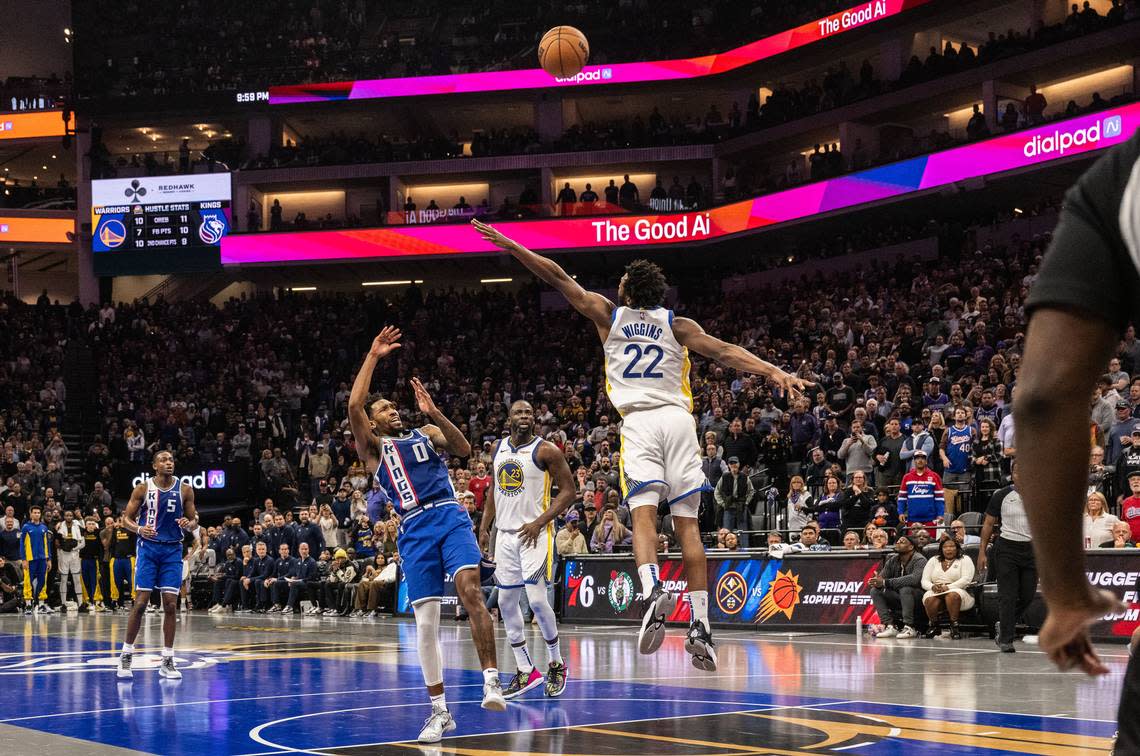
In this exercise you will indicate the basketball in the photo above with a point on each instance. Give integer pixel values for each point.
(784, 593)
(563, 51)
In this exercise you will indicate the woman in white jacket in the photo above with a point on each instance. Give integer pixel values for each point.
(946, 579)
(800, 502)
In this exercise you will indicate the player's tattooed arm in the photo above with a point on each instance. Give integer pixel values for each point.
(443, 434)
(591, 304)
(691, 335)
(386, 342)
(487, 518)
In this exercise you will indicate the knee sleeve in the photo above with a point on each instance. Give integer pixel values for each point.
(427, 641)
(539, 604)
(512, 613)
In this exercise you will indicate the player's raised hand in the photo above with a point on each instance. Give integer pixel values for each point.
(387, 341)
(494, 236)
(793, 385)
(423, 398)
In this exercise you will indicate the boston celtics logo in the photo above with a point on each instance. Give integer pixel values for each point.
(509, 478)
(620, 592)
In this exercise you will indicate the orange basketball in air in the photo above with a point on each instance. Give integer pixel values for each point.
(563, 51)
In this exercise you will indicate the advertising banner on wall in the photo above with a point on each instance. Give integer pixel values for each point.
(800, 590)
(212, 483)
(1006, 152)
(754, 590)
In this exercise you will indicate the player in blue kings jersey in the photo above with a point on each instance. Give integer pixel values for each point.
(159, 510)
(436, 534)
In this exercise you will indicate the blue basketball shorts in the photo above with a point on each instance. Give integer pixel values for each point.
(435, 542)
(158, 566)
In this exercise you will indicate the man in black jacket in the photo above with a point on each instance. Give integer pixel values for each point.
(275, 589)
(305, 582)
(221, 578)
(10, 587)
(896, 588)
(257, 570)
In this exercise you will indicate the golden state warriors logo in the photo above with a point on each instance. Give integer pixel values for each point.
(509, 478)
(731, 591)
(112, 233)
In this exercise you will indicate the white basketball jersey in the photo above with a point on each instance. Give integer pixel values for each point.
(522, 488)
(646, 367)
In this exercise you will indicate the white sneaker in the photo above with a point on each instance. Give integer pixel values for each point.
(123, 671)
(151, 608)
(907, 633)
(436, 725)
(168, 670)
(493, 696)
(888, 632)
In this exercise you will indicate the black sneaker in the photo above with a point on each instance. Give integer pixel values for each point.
(556, 680)
(699, 643)
(658, 606)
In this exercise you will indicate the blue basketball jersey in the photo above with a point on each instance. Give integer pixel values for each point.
(162, 510)
(411, 473)
(958, 449)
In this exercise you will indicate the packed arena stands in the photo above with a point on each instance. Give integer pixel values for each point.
(336, 40)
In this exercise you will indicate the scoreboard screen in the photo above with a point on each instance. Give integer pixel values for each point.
(159, 224)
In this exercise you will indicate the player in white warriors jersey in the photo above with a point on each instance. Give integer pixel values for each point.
(518, 502)
(647, 379)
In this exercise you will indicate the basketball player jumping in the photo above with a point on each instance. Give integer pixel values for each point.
(436, 535)
(1084, 297)
(518, 501)
(647, 379)
(159, 511)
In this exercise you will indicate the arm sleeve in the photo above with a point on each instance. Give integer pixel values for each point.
(1092, 263)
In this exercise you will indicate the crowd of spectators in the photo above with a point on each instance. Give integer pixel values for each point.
(908, 356)
(33, 92)
(333, 40)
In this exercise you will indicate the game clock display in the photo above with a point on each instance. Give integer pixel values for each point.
(159, 224)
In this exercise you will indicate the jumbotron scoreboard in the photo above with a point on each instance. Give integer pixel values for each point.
(159, 224)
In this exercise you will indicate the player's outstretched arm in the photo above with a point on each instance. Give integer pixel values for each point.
(488, 518)
(594, 306)
(387, 341)
(443, 434)
(691, 335)
(131, 513)
(1052, 464)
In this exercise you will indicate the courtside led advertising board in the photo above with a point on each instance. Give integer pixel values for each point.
(160, 223)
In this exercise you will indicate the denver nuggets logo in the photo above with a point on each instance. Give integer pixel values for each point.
(509, 478)
(730, 592)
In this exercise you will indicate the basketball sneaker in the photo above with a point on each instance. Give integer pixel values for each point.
(907, 633)
(436, 725)
(700, 645)
(888, 631)
(658, 606)
(124, 669)
(556, 680)
(493, 696)
(522, 682)
(168, 670)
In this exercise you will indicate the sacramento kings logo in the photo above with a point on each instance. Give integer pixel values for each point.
(620, 592)
(211, 230)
